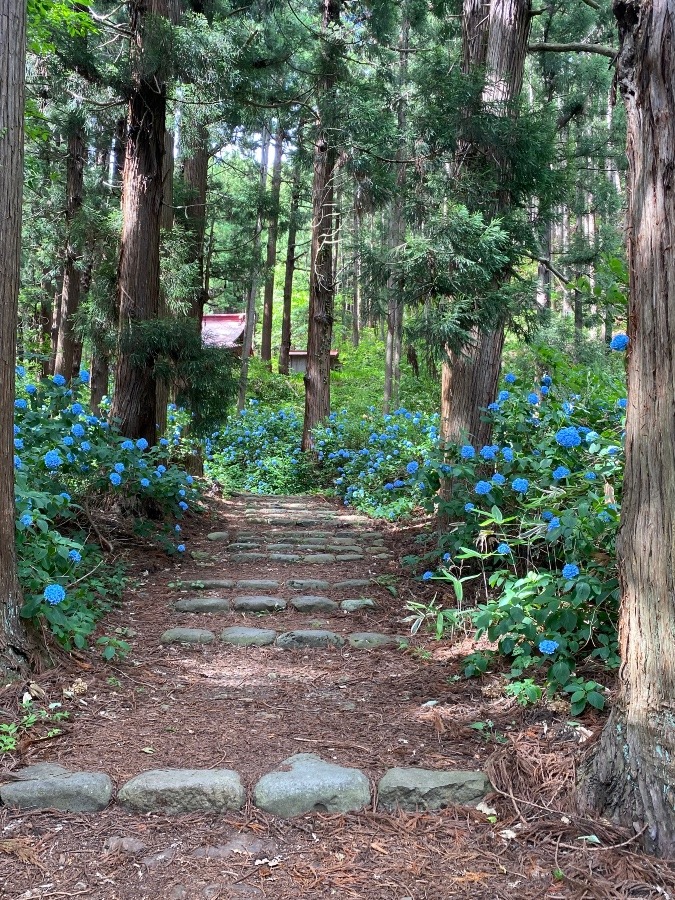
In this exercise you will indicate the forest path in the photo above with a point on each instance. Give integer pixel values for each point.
(358, 703)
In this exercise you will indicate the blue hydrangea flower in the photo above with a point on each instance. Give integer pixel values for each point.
(547, 380)
(467, 452)
(483, 487)
(59, 380)
(493, 407)
(548, 648)
(84, 376)
(398, 483)
(65, 496)
(544, 390)
(177, 528)
(553, 523)
(189, 479)
(468, 507)
(17, 462)
(77, 409)
(507, 453)
(520, 485)
(510, 378)
(446, 557)
(92, 420)
(127, 445)
(181, 492)
(145, 482)
(619, 342)
(74, 556)
(142, 444)
(163, 442)
(488, 452)
(571, 570)
(26, 520)
(17, 430)
(604, 516)
(412, 467)
(427, 576)
(86, 446)
(119, 468)
(78, 430)
(590, 476)
(503, 549)
(568, 437)
(161, 469)
(503, 395)
(18, 443)
(498, 479)
(20, 403)
(612, 451)
(68, 441)
(622, 403)
(181, 548)
(592, 436)
(183, 505)
(20, 371)
(533, 399)
(52, 459)
(560, 472)
(115, 479)
(31, 389)
(54, 593)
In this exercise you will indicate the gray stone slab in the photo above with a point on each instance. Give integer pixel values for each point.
(219, 536)
(314, 638)
(203, 605)
(177, 791)
(280, 548)
(310, 603)
(187, 636)
(351, 606)
(348, 557)
(308, 584)
(248, 637)
(371, 640)
(256, 603)
(319, 558)
(244, 545)
(284, 557)
(344, 548)
(412, 789)
(382, 556)
(210, 584)
(37, 771)
(310, 784)
(351, 583)
(246, 557)
(257, 584)
(72, 792)
(345, 541)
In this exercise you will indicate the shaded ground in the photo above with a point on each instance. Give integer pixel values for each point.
(217, 706)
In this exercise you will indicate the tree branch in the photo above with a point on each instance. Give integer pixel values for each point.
(610, 52)
(592, 4)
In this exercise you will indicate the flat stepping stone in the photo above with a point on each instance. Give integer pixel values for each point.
(308, 584)
(313, 604)
(284, 557)
(255, 603)
(218, 536)
(413, 789)
(257, 584)
(351, 606)
(176, 791)
(280, 548)
(187, 636)
(203, 605)
(344, 541)
(244, 545)
(348, 557)
(317, 639)
(351, 583)
(370, 640)
(246, 557)
(319, 558)
(311, 785)
(209, 584)
(347, 548)
(248, 637)
(64, 790)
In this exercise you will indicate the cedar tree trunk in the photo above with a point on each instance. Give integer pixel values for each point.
(271, 259)
(195, 178)
(285, 348)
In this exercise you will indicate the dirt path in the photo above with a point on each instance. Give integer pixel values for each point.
(217, 705)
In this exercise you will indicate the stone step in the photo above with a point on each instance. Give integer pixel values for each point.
(300, 639)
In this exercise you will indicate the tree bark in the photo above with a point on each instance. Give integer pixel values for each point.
(249, 329)
(195, 178)
(70, 293)
(630, 779)
(356, 288)
(271, 259)
(134, 403)
(285, 348)
(471, 383)
(13, 639)
(166, 220)
(321, 276)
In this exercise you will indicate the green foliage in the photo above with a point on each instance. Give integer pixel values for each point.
(32, 718)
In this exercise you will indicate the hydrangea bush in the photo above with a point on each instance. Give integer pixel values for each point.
(65, 460)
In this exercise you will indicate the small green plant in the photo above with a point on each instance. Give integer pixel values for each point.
(524, 692)
(12, 732)
(113, 682)
(584, 693)
(488, 732)
(113, 648)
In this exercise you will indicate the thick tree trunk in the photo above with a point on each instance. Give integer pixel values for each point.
(70, 294)
(249, 329)
(166, 220)
(356, 287)
(472, 382)
(134, 402)
(271, 259)
(631, 777)
(195, 178)
(13, 640)
(285, 347)
(321, 276)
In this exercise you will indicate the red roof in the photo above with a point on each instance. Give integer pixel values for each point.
(223, 329)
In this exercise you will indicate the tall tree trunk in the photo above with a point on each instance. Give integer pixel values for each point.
(631, 777)
(166, 220)
(321, 276)
(134, 401)
(271, 259)
(471, 382)
(70, 293)
(285, 348)
(195, 178)
(13, 640)
(249, 329)
(356, 289)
